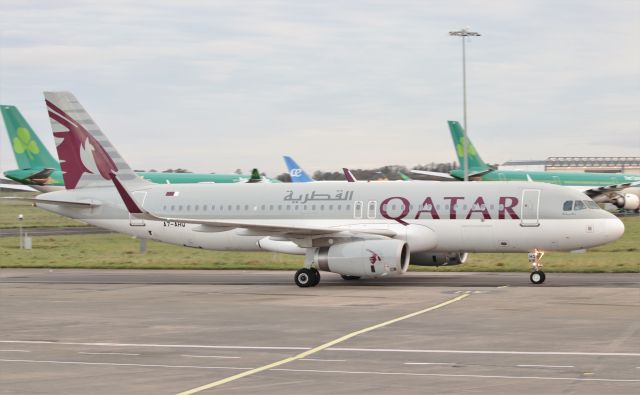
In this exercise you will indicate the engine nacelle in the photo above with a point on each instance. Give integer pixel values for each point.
(628, 201)
(367, 258)
(438, 259)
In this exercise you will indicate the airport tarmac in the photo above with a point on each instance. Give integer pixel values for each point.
(171, 332)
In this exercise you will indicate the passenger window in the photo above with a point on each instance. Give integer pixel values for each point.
(567, 206)
(246, 207)
(197, 207)
(579, 205)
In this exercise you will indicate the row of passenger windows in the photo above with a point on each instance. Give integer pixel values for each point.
(246, 207)
(313, 207)
(575, 205)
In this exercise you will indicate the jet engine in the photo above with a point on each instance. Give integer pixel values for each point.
(367, 258)
(438, 259)
(628, 201)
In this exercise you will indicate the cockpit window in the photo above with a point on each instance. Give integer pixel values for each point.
(579, 205)
(568, 205)
(591, 204)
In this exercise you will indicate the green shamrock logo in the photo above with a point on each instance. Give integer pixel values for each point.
(23, 143)
(460, 148)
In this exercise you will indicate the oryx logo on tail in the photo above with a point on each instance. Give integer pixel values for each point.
(79, 152)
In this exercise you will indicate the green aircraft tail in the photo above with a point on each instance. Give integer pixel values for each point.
(475, 162)
(29, 151)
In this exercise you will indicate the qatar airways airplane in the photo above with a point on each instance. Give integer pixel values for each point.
(359, 229)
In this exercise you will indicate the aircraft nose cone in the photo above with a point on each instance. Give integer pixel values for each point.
(615, 228)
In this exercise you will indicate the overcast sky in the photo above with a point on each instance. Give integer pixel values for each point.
(220, 85)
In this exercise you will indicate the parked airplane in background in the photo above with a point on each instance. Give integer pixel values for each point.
(38, 168)
(296, 172)
(360, 229)
(601, 187)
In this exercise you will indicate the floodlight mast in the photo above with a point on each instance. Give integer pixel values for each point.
(464, 33)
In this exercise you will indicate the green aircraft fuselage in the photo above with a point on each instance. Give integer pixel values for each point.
(480, 171)
(559, 178)
(24, 176)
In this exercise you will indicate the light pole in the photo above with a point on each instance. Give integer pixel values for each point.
(20, 218)
(464, 33)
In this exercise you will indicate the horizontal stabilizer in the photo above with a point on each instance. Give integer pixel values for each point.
(36, 200)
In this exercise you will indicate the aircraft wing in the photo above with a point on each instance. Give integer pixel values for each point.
(435, 175)
(254, 228)
(594, 192)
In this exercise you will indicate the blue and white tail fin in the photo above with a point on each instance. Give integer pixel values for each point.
(87, 157)
(295, 171)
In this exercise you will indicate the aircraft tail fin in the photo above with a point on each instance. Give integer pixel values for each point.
(255, 176)
(457, 134)
(87, 157)
(295, 171)
(29, 151)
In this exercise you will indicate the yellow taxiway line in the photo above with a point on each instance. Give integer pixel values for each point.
(320, 347)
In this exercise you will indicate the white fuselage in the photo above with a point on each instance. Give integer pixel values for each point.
(430, 216)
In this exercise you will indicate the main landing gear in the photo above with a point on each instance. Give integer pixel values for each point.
(537, 275)
(307, 277)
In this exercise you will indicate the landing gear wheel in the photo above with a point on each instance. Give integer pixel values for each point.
(349, 278)
(316, 277)
(537, 277)
(307, 278)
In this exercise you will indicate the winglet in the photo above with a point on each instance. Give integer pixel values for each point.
(404, 177)
(348, 175)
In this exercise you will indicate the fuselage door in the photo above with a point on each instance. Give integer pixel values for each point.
(139, 197)
(357, 209)
(371, 209)
(529, 210)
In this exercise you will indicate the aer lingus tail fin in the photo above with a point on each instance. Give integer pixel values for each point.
(29, 151)
(476, 163)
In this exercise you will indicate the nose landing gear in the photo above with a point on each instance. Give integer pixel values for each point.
(537, 275)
